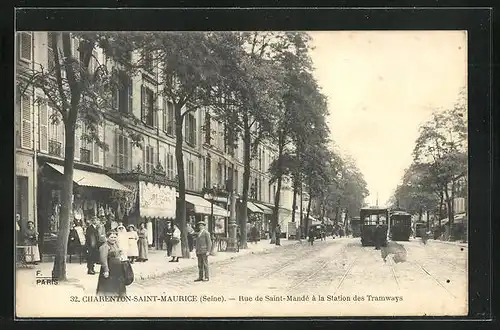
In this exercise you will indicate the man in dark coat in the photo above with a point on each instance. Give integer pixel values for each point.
(92, 245)
(377, 236)
(203, 248)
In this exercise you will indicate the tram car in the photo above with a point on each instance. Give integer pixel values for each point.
(370, 217)
(356, 226)
(399, 226)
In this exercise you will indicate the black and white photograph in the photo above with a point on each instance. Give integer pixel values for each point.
(241, 173)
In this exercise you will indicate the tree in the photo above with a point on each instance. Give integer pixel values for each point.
(190, 65)
(80, 95)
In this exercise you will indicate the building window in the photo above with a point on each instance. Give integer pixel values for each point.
(190, 175)
(122, 96)
(148, 113)
(219, 174)
(169, 161)
(123, 153)
(259, 190)
(149, 159)
(236, 181)
(25, 46)
(168, 117)
(260, 159)
(208, 172)
(208, 129)
(190, 130)
(55, 146)
(50, 52)
(85, 147)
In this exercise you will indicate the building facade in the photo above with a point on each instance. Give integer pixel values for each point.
(40, 142)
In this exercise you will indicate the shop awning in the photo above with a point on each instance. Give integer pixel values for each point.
(264, 208)
(202, 206)
(254, 208)
(90, 179)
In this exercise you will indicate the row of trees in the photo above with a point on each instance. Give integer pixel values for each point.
(438, 173)
(260, 84)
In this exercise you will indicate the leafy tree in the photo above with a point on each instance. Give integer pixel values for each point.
(80, 94)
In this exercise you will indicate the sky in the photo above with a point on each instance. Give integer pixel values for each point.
(381, 85)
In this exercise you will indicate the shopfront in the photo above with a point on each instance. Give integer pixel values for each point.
(24, 198)
(151, 200)
(92, 194)
(198, 208)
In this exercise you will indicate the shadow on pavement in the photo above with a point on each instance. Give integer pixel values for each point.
(397, 251)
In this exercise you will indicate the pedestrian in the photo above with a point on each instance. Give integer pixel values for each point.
(377, 235)
(31, 251)
(142, 243)
(190, 232)
(168, 237)
(73, 240)
(311, 235)
(122, 239)
(254, 233)
(176, 245)
(133, 249)
(111, 281)
(19, 237)
(278, 234)
(203, 248)
(101, 229)
(92, 245)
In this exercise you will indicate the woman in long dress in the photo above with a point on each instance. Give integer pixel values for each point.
(31, 252)
(133, 249)
(142, 243)
(122, 240)
(176, 245)
(111, 280)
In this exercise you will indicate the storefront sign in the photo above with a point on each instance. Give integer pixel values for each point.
(24, 165)
(156, 201)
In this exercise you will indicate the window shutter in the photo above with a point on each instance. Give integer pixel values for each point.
(143, 103)
(155, 111)
(78, 137)
(26, 47)
(97, 152)
(130, 95)
(43, 115)
(61, 135)
(27, 123)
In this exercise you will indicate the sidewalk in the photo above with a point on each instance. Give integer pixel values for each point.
(456, 243)
(156, 266)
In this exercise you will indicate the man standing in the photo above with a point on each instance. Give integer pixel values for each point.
(92, 245)
(377, 236)
(203, 248)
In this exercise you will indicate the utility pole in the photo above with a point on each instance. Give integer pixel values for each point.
(376, 203)
(232, 243)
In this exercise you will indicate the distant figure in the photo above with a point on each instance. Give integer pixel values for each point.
(377, 235)
(278, 234)
(424, 235)
(203, 248)
(133, 249)
(92, 245)
(142, 243)
(31, 252)
(176, 245)
(254, 234)
(311, 235)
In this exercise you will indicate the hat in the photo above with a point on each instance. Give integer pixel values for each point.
(201, 223)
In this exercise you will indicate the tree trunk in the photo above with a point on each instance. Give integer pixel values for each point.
(441, 208)
(59, 269)
(294, 200)
(246, 183)
(181, 204)
(449, 207)
(274, 220)
(307, 211)
(301, 223)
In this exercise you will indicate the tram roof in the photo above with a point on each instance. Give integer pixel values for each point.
(400, 213)
(374, 208)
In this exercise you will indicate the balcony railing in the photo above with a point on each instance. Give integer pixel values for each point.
(55, 148)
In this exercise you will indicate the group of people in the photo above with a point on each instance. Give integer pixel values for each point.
(132, 243)
(112, 255)
(27, 238)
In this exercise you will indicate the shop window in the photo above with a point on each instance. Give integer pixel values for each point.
(85, 146)
(190, 126)
(190, 175)
(148, 111)
(168, 117)
(149, 159)
(123, 153)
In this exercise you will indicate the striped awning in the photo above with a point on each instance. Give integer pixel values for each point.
(265, 209)
(91, 179)
(254, 208)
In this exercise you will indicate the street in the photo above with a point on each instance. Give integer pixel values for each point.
(424, 279)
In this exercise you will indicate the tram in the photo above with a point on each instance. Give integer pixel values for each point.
(420, 227)
(356, 227)
(399, 226)
(370, 218)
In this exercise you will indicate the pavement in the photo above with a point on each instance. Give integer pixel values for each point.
(156, 266)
